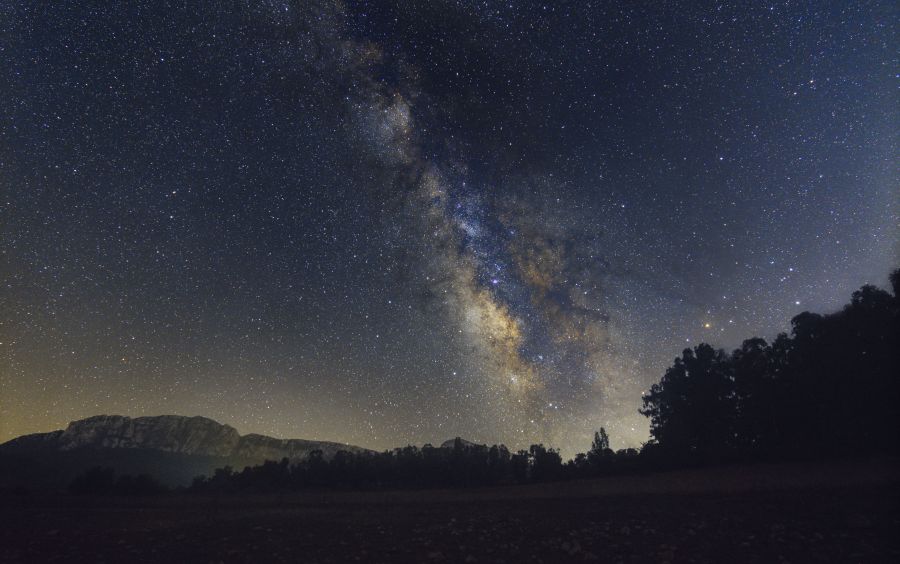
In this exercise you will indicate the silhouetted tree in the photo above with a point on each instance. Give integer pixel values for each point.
(756, 397)
(546, 463)
(691, 410)
(830, 388)
(519, 464)
(600, 452)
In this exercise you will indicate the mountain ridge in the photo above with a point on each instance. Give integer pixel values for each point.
(194, 435)
(174, 448)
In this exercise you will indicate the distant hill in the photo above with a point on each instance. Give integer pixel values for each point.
(171, 448)
(452, 442)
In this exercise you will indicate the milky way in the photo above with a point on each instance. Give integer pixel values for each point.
(398, 223)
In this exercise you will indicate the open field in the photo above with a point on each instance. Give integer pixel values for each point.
(844, 512)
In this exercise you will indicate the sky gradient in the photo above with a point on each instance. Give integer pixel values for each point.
(402, 222)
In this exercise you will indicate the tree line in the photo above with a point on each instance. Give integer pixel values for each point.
(460, 465)
(829, 388)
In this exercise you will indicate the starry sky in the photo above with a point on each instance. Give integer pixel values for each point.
(398, 222)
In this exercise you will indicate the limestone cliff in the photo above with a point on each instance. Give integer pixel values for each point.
(176, 434)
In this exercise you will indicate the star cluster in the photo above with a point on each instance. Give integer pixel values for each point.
(399, 222)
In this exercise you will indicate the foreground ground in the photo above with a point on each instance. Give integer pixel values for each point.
(769, 514)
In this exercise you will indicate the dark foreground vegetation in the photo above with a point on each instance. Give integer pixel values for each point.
(831, 389)
(840, 511)
(775, 452)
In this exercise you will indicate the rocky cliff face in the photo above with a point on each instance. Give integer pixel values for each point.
(170, 433)
(177, 434)
(171, 448)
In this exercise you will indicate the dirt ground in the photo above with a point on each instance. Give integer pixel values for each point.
(768, 514)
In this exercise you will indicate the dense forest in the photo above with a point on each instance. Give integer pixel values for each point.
(829, 389)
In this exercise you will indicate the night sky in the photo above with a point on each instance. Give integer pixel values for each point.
(400, 222)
